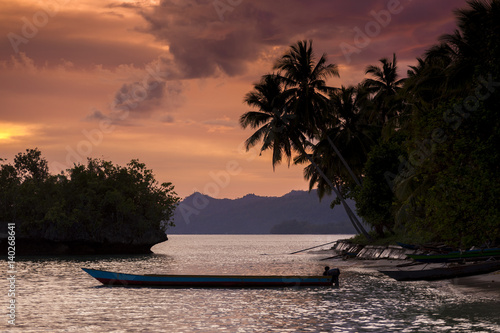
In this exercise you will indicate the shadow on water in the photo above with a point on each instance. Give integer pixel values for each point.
(477, 311)
(83, 258)
(56, 295)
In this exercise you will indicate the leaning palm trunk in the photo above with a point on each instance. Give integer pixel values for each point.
(348, 209)
(344, 161)
(352, 217)
(354, 220)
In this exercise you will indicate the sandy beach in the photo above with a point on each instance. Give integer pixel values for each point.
(483, 285)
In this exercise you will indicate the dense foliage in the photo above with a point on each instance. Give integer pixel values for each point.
(98, 202)
(418, 154)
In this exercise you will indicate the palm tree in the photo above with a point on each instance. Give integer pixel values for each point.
(353, 132)
(307, 97)
(348, 129)
(276, 130)
(289, 117)
(272, 120)
(305, 86)
(307, 93)
(384, 87)
(471, 48)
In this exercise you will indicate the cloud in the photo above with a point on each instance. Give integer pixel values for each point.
(169, 119)
(97, 115)
(153, 89)
(134, 101)
(203, 45)
(87, 37)
(91, 58)
(139, 97)
(220, 125)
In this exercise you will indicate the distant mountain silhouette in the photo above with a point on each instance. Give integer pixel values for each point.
(297, 212)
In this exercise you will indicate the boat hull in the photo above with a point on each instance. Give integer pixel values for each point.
(472, 255)
(205, 281)
(444, 272)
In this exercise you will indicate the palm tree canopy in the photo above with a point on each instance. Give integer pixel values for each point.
(384, 86)
(304, 80)
(349, 130)
(293, 109)
(272, 121)
(472, 47)
(386, 82)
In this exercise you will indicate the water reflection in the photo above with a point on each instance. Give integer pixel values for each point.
(57, 296)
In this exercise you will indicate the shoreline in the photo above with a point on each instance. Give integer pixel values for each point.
(482, 285)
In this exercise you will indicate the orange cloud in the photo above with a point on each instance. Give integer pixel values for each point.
(79, 84)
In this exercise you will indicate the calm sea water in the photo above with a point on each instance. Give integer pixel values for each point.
(55, 295)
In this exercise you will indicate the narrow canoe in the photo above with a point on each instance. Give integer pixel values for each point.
(216, 281)
(444, 272)
(471, 255)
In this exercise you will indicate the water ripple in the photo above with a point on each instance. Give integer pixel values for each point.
(57, 296)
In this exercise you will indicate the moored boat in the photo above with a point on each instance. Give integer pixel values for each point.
(217, 281)
(441, 273)
(471, 255)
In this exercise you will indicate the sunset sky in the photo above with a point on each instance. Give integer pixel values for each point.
(164, 81)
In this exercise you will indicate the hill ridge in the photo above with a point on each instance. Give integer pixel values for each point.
(293, 212)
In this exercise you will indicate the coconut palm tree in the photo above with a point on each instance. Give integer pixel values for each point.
(305, 86)
(353, 131)
(272, 121)
(279, 112)
(347, 128)
(350, 130)
(307, 98)
(307, 93)
(384, 87)
(306, 89)
(471, 48)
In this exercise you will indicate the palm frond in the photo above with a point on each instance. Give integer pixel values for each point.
(254, 119)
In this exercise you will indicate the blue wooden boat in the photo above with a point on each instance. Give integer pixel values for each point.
(216, 281)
